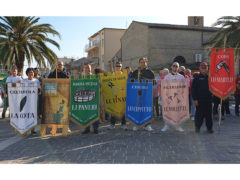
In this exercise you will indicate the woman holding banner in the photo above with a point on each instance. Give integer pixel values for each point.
(31, 81)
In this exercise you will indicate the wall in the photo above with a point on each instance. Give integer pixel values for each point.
(111, 45)
(134, 44)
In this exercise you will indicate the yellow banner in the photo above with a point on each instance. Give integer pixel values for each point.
(114, 93)
(56, 101)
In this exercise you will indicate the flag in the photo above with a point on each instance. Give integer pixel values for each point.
(222, 76)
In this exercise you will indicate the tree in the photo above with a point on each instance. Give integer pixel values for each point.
(229, 33)
(22, 38)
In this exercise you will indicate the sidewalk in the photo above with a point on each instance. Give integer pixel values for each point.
(119, 146)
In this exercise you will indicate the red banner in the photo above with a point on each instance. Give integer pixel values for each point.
(222, 77)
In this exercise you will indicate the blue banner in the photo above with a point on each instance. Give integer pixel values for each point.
(139, 103)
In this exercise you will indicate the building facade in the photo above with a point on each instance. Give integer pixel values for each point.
(103, 45)
(163, 44)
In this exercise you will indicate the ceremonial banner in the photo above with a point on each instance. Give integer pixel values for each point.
(23, 106)
(56, 101)
(114, 93)
(222, 76)
(84, 106)
(139, 104)
(175, 104)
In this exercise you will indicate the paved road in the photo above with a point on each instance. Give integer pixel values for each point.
(119, 146)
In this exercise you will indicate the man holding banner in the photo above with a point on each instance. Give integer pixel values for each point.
(59, 73)
(143, 73)
(87, 71)
(202, 99)
(174, 94)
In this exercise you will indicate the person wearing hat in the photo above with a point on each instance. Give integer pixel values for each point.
(202, 99)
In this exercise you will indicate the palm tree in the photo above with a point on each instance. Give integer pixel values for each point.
(22, 38)
(228, 34)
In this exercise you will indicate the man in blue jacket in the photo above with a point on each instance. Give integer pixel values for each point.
(202, 99)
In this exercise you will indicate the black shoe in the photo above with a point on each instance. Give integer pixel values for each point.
(86, 132)
(33, 132)
(210, 131)
(197, 130)
(95, 131)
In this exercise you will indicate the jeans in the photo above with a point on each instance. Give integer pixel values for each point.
(237, 102)
(113, 120)
(5, 106)
(95, 126)
(192, 107)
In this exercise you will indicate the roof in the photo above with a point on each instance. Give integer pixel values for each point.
(183, 27)
(83, 60)
(104, 29)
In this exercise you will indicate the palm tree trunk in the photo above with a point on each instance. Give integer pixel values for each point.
(20, 64)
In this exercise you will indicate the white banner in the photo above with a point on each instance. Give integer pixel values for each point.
(23, 106)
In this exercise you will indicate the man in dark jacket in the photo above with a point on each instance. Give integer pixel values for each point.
(202, 99)
(60, 73)
(143, 72)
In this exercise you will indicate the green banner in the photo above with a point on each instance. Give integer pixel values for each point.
(84, 108)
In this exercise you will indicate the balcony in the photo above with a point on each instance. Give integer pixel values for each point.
(93, 44)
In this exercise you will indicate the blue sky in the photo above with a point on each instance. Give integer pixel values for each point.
(75, 30)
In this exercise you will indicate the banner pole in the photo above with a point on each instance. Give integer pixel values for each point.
(220, 113)
(220, 109)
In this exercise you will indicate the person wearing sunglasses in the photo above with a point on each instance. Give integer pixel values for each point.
(118, 70)
(174, 75)
(202, 99)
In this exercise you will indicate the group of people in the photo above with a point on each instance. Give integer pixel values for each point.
(200, 98)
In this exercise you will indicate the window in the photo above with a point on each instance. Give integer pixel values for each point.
(196, 20)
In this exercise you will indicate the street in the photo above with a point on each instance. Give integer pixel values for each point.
(125, 147)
